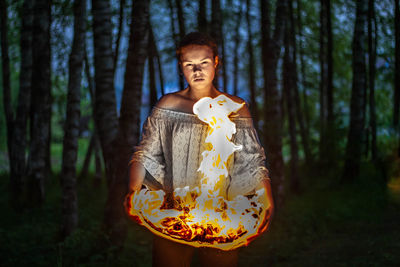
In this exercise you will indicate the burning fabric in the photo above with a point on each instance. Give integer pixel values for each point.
(205, 216)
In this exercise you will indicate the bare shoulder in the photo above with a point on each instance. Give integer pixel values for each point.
(244, 111)
(170, 101)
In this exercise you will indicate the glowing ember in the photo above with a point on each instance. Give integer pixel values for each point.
(204, 217)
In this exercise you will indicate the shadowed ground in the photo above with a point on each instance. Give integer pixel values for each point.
(350, 225)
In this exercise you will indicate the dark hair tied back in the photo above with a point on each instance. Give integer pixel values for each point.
(197, 38)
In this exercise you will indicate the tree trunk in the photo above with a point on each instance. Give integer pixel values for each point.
(40, 101)
(236, 51)
(216, 33)
(159, 66)
(329, 88)
(93, 139)
(372, 41)
(5, 59)
(289, 86)
(129, 122)
(105, 104)
(323, 81)
(70, 145)
(202, 24)
(119, 33)
(151, 69)
(182, 32)
(19, 140)
(297, 102)
(224, 61)
(326, 84)
(396, 108)
(176, 38)
(330, 116)
(304, 82)
(271, 48)
(357, 120)
(9, 114)
(181, 19)
(251, 72)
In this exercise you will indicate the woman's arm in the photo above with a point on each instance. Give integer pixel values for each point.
(136, 176)
(268, 202)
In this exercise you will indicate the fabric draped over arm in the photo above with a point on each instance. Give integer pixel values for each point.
(247, 168)
(149, 152)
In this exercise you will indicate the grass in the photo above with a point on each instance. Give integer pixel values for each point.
(350, 225)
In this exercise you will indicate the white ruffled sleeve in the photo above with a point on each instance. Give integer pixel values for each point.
(247, 168)
(150, 154)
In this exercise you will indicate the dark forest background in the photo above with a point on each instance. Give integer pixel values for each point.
(322, 80)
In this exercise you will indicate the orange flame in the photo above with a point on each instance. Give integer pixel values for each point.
(204, 217)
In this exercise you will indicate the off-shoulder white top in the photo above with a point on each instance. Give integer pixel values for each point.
(171, 146)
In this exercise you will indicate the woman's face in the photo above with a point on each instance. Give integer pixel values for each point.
(198, 66)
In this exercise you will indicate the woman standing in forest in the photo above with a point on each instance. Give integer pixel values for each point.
(169, 153)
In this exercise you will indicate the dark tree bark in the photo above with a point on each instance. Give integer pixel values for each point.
(289, 87)
(159, 65)
(304, 82)
(92, 143)
(396, 108)
(323, 81)
(181, 19)
(217, 34)
(70, 145)
(299, 112)
(329, 92)
(357, 119)
(236, 51)
(176, 37)
(40, 101)
(326, 82)
(251, 70)
(119, 33)
(129, 122)
(151, 68)
(372, 43)
(18, 158)
(271, 48)
(105, 103)
(9, 114)
(182, 32)
(17, 127)
(5, 59)
(202, 23)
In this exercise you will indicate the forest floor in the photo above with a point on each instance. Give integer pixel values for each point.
(356, 224)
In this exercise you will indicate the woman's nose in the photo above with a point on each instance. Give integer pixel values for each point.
(196, 67)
